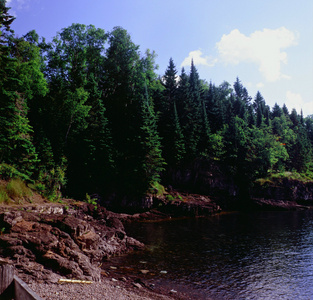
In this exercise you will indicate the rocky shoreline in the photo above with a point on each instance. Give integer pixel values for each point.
(48, 241)
(107, 289)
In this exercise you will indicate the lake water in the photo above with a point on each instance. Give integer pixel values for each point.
(260, 255)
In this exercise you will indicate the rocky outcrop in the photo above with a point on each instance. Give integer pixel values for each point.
(185, 204)
(282, 194)
(46, 242)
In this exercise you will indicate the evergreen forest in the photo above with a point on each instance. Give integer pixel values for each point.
(87, 113)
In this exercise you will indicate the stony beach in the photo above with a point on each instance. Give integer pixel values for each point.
(108, 289)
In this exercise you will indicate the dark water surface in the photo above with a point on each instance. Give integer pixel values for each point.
(260, 255)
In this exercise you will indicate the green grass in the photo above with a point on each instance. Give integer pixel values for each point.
(16, 188)
(4, 198)
(280, 176)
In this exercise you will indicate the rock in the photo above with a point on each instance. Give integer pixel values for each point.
(45, 244)
(137, 285)
(9, 219)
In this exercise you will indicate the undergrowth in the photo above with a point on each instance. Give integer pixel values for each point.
(281, 176)
(4, 198)
(15, 189)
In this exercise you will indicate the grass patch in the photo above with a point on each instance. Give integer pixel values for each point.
(16, 188)
(4, 198)
(279, 177)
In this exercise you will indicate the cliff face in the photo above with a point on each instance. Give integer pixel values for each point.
(204, 178)
(208, 179)
(286, 192)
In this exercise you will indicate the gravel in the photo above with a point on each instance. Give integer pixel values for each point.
(106, 290)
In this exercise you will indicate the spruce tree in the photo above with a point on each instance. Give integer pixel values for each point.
(192, 118)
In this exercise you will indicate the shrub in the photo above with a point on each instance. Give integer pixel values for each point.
(170, 197)
(8, 172)
(92, 201)
(157, 189)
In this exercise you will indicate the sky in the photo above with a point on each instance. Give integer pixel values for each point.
(267, 44)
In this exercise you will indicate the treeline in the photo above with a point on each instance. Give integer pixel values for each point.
(87, 113)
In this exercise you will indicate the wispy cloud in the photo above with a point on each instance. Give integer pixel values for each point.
(263, 48)
(17, 4)
(198, 59)
(260, 85)
(294, 100)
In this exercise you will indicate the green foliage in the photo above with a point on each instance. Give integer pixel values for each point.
(87, 113)
(7, 172)
(92, 201)
(50, 181)
(170, 197)
(4, 197)
(157, 189)
(275, 178)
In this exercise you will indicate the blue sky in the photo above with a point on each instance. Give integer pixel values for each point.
(268, 44)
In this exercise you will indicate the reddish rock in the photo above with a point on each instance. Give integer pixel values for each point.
(45, 245)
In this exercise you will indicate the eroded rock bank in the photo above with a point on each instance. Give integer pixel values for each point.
(46, 242)
(282, 194)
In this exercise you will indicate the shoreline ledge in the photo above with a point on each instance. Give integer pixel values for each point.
(47, 242)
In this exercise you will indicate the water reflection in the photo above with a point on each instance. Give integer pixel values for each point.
(265, 255)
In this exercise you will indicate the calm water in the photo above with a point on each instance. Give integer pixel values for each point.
(265, 255)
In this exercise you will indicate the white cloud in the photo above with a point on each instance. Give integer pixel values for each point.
(263, 48)
(294, 100)
(18, 4)
(198, 59)
(260, 85)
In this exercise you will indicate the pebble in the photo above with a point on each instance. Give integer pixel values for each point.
(137, 285)
(104, 290)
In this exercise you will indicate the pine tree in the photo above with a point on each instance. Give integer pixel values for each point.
(294, 118)
(131, 116)
(169, 121)
(259, 107)
(178, 139)
(192, 115)
(277, 111)
(153, 163)
(285, 110)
